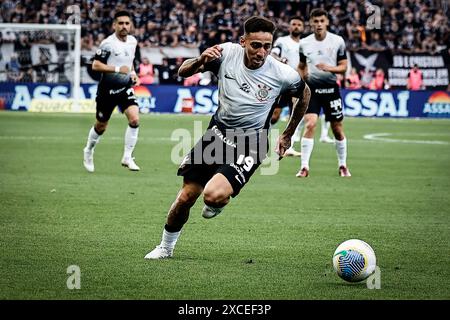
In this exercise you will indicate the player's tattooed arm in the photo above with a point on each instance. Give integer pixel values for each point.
(298, 111)
(195, 65)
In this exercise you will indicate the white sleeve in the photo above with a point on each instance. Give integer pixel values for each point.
(277, 48)
(293, 83)
(226, 49)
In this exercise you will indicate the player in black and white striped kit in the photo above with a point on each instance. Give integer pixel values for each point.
(322, 56)
(250, 80)
(114, 59)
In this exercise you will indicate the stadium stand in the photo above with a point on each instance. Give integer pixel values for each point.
(172, 29)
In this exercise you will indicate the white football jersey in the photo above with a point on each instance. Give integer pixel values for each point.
(286, 47)
(115, 52)
(329, 51)
(246, 96)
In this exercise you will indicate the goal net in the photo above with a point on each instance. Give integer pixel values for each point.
(41, 53)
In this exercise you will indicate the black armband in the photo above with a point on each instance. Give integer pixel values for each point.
(102, 55)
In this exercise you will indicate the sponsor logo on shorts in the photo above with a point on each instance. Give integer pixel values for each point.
(323, 91)
(240, 174)
(116, 91)
(222, 137)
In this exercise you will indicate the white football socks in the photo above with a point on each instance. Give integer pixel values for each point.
(131, 136)
(341, 150)
(93, 139)
(296, 136)
(324, 127)
(169, 239)
(307, 148)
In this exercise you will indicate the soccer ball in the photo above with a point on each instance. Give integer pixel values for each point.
(354, 260)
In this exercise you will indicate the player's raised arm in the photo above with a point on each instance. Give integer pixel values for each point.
(195, 65)
(301, 102)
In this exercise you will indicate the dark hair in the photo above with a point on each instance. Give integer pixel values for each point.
(256, 24)
(296, 18)
(122, 14)
(318, 13)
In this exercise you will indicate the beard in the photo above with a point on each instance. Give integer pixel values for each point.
(296, 33)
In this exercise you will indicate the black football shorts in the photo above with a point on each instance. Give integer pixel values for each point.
(235, 154)
(108, 99)
(328, 98)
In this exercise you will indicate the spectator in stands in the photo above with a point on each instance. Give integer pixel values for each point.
(41, 69)
(27, 75)
(210, 40)
(175, 78)
(23, 49)
(189, 38)
(146, 72)
(429, 45)
(192, 80)
(164, 72)
(14, 72)
(408, 26)
(415, 79)
(376, 43)
(379, 82)
(352, 80)
(161, 19)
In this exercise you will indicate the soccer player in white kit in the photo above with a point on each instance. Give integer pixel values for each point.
(286, 49)
(322, 56)
(250, 80)
(114, 59)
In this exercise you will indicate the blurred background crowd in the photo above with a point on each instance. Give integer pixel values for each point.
(406, 26)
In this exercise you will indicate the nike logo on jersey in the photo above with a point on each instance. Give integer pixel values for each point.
(229, 77)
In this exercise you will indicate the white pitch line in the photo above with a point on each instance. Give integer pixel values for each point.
(382, 137)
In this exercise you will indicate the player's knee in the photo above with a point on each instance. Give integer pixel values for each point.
(215, 198)
(339, 135)
(338, 132)
(100, 127)
(310, 125)
(133, 123)
(186, 198)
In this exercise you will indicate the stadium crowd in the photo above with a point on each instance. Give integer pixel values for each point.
(408, 26)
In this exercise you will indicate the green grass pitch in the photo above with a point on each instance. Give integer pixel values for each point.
(274, 241)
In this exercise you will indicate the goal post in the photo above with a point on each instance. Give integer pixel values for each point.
(43, 43)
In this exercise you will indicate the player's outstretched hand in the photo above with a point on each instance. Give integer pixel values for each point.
(283, 143)
(211, 54)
